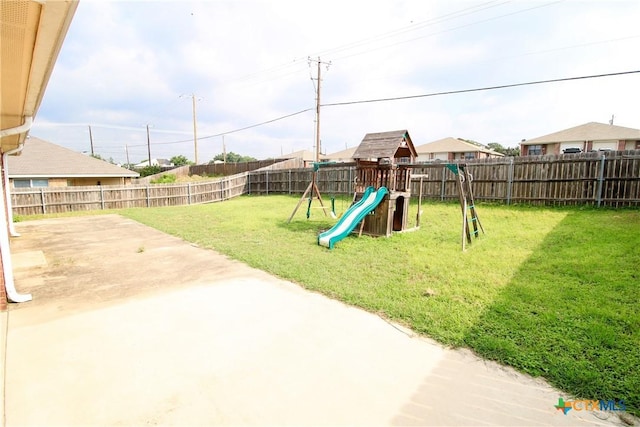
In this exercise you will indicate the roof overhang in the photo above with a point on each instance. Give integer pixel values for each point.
(31, 35)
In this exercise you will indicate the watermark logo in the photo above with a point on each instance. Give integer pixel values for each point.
(590, 405)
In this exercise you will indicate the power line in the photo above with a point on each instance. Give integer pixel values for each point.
(389, 34)
(449, 30)
(452, 92)
(414, 27)
(259, 124)
(399, 98)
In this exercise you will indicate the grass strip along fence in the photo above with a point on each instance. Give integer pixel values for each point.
(597, 179)
(552, 292)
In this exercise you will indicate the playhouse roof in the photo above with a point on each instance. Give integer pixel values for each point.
(384, 144)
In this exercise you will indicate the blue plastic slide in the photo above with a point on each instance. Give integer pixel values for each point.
(352, 217)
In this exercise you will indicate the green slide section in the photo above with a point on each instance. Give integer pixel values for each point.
(352, 217)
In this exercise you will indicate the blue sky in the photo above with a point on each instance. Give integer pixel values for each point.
(128, 64)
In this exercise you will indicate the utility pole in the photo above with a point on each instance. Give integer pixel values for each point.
(126, 151)
(319, 78)
(149, 145)
(318, 116)
(224, 151)
(313, 187)
(195, 128)
(91, 140)
(195, 125)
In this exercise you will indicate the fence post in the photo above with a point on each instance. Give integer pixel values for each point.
(442, 186)
(509, 180)
(600, 181)
(44, 204)
(101, 197)
(148, 196)
(267, 178)
(188, 193)
(352, 185)
(289, 181)
(249, 183)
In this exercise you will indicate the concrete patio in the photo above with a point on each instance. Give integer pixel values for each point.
(131, 326)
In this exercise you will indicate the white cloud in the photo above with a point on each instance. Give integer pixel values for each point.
(127, 63)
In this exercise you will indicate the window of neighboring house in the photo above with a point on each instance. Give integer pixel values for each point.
(21, 183)
(535, 150)
(469, 156)
(29, 183)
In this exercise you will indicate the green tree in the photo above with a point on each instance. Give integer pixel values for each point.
(180, 160)
(149, 170)
(507, 151)
(99, 157)
(233, 158)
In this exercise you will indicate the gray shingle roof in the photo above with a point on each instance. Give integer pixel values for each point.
(305, 155)
(339, 155)
(40, 158)
(384, 144)
(591, 131)
(453, 145)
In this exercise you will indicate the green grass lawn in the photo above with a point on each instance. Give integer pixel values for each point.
(553, 292)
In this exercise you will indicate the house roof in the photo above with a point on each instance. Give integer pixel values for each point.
(338, 155)
(384, 144)
(40, 158)
(453, 145)
(592, 131)
(305, 155)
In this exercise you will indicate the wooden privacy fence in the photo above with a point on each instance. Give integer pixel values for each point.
(598, 179)
(30, 201)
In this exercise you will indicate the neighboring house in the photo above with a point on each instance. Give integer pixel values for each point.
(591, 136)
(306, 156)
(340, 156)
(43, 164)
(163, 163)
(448, 149)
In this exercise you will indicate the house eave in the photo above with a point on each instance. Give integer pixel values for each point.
(36, 31)
(27, 176)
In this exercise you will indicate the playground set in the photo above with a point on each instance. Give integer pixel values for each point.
(384, 163)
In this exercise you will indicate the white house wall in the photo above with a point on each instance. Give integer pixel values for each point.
(605, 145)
(573, 144)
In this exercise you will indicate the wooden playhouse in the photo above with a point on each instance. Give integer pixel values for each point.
(382, 160)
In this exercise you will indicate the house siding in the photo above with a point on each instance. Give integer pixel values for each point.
(602, 145)
(57, 182)
(74, 182)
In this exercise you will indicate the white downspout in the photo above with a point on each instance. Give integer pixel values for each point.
(28, 121)
(7, 194)
(5, 253)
